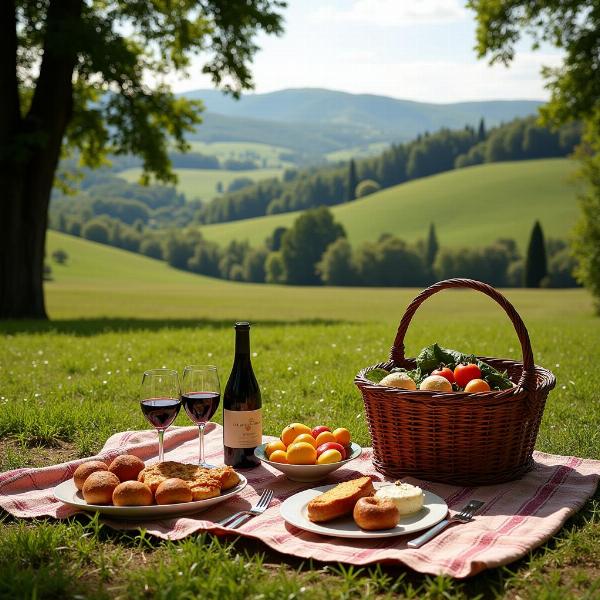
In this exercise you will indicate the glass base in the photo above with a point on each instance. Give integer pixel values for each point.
(206, 465)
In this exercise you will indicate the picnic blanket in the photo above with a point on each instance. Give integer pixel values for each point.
(517, 516)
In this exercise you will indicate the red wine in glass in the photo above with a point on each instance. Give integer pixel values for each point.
(160, 401)
(160, 412)
(200, 406)
(201, 392)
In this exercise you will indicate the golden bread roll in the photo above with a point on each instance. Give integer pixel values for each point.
(84, 470)
(99, 487)
(132, 493)
(173, 491)
(376, 513)
(340, 500)
(126, 467)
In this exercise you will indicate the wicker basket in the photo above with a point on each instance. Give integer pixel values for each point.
(456, 437)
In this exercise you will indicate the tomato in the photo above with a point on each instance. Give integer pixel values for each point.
(464, 373)
(477, 385)
(444, 372)
(319, 429)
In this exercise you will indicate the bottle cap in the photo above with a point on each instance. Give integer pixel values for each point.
(242, 325)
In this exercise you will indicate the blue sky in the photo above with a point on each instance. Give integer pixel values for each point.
(415, 49)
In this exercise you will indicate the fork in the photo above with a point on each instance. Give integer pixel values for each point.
(464, 516)
(236, 519)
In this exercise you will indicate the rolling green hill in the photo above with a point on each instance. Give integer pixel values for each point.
(101, 281)
(201, 183)
(470, 207)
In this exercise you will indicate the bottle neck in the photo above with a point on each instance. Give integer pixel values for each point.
(242, 345)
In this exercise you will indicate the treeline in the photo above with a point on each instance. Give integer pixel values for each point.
(427, 155)
(315, 251)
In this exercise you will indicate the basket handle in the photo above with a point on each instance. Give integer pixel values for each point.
(527, 381)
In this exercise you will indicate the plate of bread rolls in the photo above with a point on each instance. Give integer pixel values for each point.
(362, 509)
(127, 488)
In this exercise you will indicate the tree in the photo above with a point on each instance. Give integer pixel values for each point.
(352, 181)
(535, 260)
(60, 256)
(304, 243)
(366, 187)
(573, 26)
(432, 248)
(336, 267)
(96, 231)
(481, 132)
(254, 265)
(274, 268)
(75, 73)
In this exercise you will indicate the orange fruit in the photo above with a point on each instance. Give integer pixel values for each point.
(477, 385)
(324, 437)
(342, 436)
(279, 456)
(292, 431)
(273, 446)
(301, 453)
(306, 437)
(329, 456)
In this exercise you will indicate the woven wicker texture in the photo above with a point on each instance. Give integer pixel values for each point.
(456, 437)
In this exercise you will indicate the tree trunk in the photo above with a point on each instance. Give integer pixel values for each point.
(29, 154)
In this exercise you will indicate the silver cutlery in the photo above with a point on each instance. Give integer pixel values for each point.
(236, 519)
(464, 516)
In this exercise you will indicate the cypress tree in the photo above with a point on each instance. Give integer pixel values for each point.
(352, 181)
(535, 262)
(481, 133)
(432, 247)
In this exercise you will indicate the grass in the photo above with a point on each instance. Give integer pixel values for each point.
(243, 151)
(469, 207)
(70, 383)
(202, 183)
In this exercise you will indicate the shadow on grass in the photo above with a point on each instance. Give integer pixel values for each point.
(90, 327)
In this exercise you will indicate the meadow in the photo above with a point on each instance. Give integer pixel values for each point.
(201, 184)
(469, 207)
(70, 383)
(243, 151)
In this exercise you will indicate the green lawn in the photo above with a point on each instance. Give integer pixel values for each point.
(244, 150)
(469, 207)
(202, 183)
(70, 383)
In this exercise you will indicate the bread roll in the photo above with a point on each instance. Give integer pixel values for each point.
(173, 491)
(375, 513)
(132, 493)
(126, 467)
(99, 487)
(84, 470)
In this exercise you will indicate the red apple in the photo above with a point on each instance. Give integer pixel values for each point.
(331, 446)
(320, 429)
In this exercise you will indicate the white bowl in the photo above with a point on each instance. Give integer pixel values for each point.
(307, 473)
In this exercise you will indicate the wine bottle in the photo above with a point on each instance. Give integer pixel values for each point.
(242, 406)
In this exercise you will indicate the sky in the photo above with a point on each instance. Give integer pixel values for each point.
(414, 49)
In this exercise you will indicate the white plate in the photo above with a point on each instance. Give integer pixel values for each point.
(294, 511)
(67, 492)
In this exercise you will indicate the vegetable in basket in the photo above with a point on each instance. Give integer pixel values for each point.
(458, 368)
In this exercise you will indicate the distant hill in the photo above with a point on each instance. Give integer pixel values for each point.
(327, 120)
(469, 207)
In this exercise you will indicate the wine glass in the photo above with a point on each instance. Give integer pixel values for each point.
(200, 397)
(160, 402)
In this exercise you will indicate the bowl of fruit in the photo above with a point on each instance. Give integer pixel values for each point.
(305, 454)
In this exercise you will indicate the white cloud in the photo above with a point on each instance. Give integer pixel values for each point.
(393, 13)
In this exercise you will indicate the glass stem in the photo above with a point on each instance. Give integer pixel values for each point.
(201, 443)
(161, 453)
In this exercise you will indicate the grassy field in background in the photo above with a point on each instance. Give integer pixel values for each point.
(357, 152)
(242, 151)
(68, 384)
(469, 207)
(202, 183)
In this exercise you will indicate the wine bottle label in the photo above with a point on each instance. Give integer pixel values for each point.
(242, 428)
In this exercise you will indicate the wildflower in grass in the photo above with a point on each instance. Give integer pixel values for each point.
(316, 362)
(255, 354)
